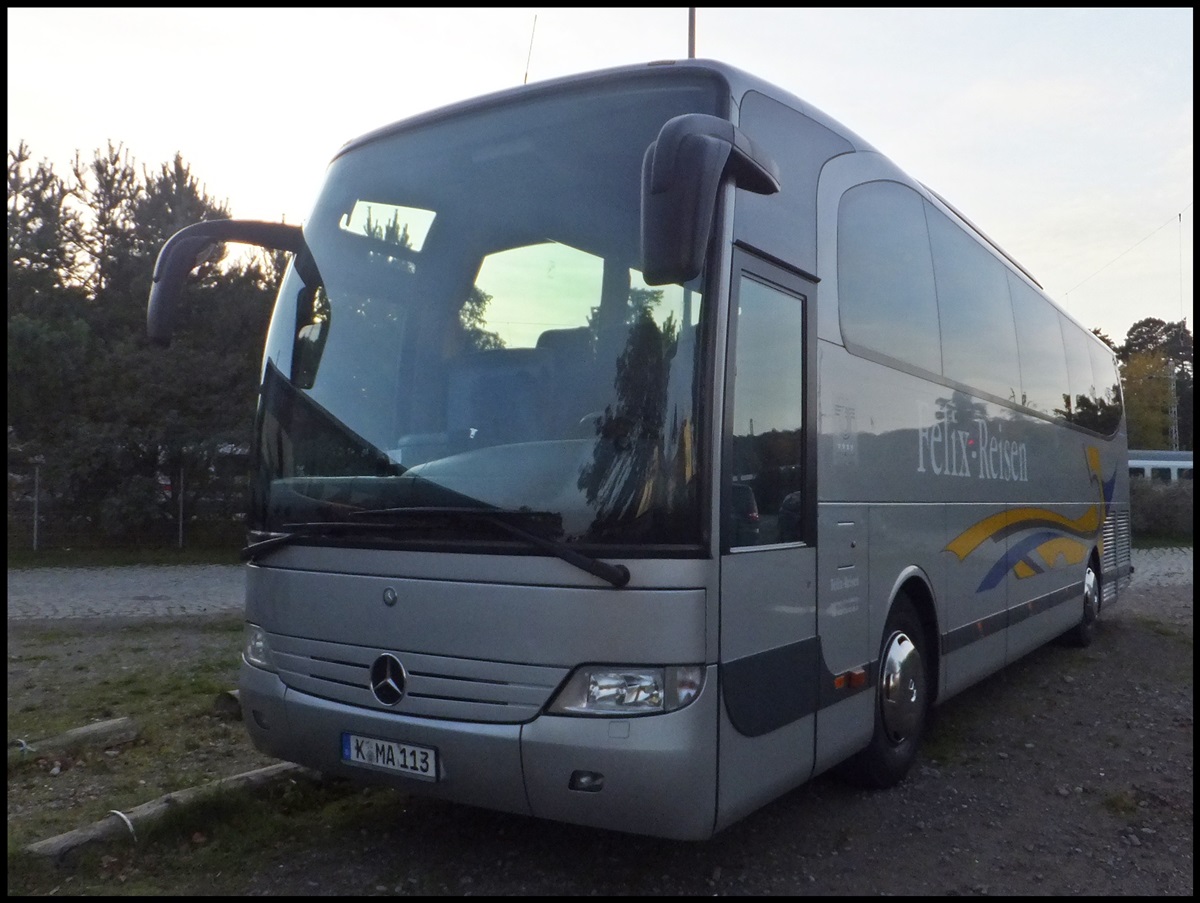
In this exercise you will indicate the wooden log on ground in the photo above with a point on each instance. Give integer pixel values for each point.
(101, 734)
(124, 824)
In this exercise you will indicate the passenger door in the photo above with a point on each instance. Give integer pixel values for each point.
(768, 648)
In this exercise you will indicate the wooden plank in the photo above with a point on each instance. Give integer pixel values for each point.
(118, 824)
(101, 734)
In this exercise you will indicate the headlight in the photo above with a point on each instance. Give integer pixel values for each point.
(256, 649)
(613, 690)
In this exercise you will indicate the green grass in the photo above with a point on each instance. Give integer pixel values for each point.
(172, 707)
(1122, 804)
(167, 684)
(206, 844)
(1162, 542)
(1156, 626)
(166, 679)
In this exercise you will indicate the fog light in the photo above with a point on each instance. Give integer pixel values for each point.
(586, 781)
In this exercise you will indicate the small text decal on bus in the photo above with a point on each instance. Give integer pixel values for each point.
(946, 448)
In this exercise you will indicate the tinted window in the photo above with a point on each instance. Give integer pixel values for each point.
(767, 416)
(473, 330)
(919, 288)
(1107, 397)
(979, 341)
(885, 275)
(1082, 405)
(1043, 359)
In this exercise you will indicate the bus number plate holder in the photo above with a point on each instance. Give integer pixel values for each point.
(420, 762)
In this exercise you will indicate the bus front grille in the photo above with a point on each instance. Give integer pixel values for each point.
(435, 686)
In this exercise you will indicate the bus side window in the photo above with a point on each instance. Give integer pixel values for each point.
(764, 503)
(1160, 474)
(1137, 473)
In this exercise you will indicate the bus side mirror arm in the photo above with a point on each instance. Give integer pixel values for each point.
(182, 250)
(682, 173)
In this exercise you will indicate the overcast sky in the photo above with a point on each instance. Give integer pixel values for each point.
(1066, 135)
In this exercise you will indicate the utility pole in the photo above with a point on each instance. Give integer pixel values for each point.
(1172, 407)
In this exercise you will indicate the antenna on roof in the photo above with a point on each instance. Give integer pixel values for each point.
(691, 32)
(532, 31)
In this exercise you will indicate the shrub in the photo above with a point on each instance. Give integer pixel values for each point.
(1160, 509)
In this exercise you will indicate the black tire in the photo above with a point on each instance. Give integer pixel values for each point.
(902, 694)
(1082, 634)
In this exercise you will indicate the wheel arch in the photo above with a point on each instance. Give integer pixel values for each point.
(914, 585)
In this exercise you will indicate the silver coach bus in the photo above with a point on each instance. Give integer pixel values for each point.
(634, 446)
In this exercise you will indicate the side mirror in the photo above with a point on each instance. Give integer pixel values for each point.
(681, 177)
(183, 251)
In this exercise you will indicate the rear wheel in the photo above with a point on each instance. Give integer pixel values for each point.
(901, 702)
(1084, 632)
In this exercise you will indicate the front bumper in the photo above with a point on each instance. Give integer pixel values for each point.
(659, 772)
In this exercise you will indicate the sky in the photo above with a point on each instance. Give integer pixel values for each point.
(1064, 134)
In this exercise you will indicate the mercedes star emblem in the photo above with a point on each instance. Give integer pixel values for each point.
(388, 679)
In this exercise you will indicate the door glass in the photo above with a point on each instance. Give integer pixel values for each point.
(764, 502)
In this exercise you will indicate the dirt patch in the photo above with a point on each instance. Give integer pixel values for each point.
(1070, 772)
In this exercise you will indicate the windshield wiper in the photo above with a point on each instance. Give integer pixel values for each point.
(616, 574)
(295, 531)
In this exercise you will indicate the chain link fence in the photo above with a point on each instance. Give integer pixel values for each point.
(165, 514)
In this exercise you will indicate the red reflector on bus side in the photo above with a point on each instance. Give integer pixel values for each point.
(851, 679)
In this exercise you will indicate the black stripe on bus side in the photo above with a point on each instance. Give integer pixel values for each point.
(767, 690)
(961, 637)
(1019, 613)
(964, 636)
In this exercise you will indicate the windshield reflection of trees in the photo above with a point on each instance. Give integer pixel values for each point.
(639, 481)
(639, 478)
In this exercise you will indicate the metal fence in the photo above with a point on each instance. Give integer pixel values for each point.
(43, 519)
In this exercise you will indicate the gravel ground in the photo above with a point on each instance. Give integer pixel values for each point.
(1069, 772)
(125, 592)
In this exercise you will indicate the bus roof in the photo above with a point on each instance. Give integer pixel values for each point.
(738, 83)
(736, 80)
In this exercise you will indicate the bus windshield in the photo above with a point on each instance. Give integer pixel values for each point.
(469, 328)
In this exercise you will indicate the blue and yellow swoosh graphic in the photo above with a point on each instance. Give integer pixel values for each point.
(1050, 541)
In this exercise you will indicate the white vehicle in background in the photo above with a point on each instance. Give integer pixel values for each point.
(1160, 466)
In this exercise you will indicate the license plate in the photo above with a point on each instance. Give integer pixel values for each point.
(418, 762)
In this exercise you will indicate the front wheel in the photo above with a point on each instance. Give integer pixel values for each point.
(901, 702)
